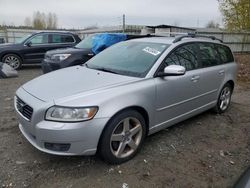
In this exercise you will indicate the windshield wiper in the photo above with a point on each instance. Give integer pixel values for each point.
(106, 70)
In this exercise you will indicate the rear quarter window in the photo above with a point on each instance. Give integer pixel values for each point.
(225, 53)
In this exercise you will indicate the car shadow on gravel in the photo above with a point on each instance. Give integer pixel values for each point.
(31, 66)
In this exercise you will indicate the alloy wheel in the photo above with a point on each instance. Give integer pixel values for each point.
(225, 98)
(12, 61)
(126, 137)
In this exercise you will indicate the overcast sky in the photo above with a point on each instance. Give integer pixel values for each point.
(83, 13)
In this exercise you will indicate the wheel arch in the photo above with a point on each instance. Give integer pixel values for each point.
(231, 83)
(139, 109)
(6, 53)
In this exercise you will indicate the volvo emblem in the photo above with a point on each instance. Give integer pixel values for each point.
(20, 107)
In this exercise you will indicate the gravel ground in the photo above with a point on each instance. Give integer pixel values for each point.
(208, 150)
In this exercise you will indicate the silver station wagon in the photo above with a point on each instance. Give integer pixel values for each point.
(130, 90)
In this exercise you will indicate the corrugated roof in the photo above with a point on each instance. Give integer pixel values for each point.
(170, 26)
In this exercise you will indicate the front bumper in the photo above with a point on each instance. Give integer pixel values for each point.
(81, 137)
(48, 66)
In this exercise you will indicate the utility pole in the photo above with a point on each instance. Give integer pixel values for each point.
(123, 23)
(198, 22)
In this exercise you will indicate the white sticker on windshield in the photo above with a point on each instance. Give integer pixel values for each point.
(151, 51)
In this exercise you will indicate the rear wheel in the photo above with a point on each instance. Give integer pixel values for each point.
(224, 99)
(123, 137)
(13, 60)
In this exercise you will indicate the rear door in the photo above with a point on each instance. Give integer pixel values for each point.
(59, 40)
(212, 71)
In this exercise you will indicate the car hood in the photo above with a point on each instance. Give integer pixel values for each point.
(73, 80)
(67, 51)
(8, 45)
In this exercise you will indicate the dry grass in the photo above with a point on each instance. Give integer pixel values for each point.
(243, 61)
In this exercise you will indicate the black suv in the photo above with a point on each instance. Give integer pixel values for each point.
(31, 49)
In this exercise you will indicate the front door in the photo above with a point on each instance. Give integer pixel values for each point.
(35, 48)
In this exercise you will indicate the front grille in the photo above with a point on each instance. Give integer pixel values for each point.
(24, 108)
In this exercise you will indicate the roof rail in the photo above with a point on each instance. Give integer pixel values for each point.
(194, 35)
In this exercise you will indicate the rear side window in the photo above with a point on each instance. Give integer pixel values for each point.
(185, 56)
(58, 38)
(225, 54)
(209, 56)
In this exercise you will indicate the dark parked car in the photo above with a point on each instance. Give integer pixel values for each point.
(31, 49)
(82, 52)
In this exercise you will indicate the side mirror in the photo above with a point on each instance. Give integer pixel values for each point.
(173, 70)
(28, 44)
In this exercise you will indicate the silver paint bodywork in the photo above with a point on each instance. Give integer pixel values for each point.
(166, 100)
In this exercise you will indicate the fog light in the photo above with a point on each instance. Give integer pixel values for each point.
(56, 147)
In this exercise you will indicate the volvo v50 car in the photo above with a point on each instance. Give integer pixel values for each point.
(128, 91)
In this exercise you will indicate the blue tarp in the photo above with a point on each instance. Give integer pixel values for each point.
(102, 41)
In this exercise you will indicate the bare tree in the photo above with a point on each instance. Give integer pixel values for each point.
(38, 21)
(212, 24)
(42, 21)
(50, 21)
(27, 22)
(54, 21)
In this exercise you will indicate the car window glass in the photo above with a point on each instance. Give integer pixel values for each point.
(225, 54)
(209, 56)
(86, 43)
(57, 38)
(67, 39)
(40, 39)
(129, 58)
(184, 56)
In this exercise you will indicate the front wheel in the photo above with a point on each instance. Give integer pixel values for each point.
(224, 99)
(122, 137)
(13, 60)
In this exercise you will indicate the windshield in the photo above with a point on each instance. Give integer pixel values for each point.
(85, 43)
(129, 58)
(22, 39)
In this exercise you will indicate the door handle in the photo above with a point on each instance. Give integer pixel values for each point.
(221, 72)
(195, 78)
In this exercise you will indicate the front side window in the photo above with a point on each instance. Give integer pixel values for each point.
(40, 39)
(129, 58)
(185, 56)
(59, 38)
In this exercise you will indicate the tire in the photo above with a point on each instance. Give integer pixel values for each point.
(13, 60)
(122, 138)
(224, 99)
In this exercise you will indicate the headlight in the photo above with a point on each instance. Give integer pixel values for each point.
(60, 57)
(70, 114)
